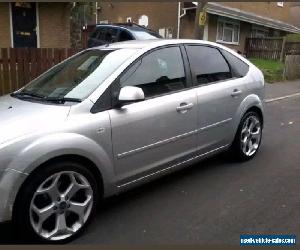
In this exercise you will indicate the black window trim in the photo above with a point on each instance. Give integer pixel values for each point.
(194, 81)
(230, 66)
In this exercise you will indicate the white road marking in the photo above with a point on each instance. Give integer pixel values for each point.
(281, 98)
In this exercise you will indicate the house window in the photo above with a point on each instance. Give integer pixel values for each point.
(228, 31)
(259, 31)
(166, 33)
(280, 4)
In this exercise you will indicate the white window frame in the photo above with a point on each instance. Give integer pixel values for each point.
(225, 21)
(280, 4)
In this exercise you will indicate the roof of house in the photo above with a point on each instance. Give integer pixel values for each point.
(235, 13)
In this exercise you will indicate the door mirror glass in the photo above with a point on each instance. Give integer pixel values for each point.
(131, 94)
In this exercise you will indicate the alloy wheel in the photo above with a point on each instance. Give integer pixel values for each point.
(61, 205)
(251, 135)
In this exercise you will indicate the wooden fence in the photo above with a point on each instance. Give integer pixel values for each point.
(18, 66)
(271, 48)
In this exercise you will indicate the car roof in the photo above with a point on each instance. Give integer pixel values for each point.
(141, 44)
(154, 43)
(134, 27)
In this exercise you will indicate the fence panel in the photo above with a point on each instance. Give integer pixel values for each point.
(264, 48)
(18, 66)
(270, 48)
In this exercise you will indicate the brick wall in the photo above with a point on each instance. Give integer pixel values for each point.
(160, 14)
(4, 26)
(295, 18)
(54, 22)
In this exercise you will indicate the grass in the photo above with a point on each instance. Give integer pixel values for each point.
(293, 38)
(272, 69)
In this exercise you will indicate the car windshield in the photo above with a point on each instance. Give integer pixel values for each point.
(77, 77)
(142, 35)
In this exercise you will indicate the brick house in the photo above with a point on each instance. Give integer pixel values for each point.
(33, 24)
(229, 23)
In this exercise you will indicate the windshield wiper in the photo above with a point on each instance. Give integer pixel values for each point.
(26, 94)
(61, 99)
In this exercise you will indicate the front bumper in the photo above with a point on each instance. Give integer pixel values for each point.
(10, 182)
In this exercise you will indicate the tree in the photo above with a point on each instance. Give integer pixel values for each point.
(199, 27)
(81, 15)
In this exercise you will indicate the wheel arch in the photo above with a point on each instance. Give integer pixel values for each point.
(250, 103)
(257, 110)
(89, 164)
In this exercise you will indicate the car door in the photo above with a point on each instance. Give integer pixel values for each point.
(219, 92)
(159, 131)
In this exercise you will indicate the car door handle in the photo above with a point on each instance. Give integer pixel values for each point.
(236, 92)
(184, 107)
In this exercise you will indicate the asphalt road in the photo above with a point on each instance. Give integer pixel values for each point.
(214, 201)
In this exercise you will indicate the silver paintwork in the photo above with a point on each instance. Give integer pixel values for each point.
(131, 93)
(129, 145)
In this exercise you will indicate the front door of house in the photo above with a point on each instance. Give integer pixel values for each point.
(24, 24)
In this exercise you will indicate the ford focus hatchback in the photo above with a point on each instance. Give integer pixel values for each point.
(113, 117)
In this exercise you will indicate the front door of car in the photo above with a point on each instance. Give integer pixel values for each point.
(219, 94)
(160, 130)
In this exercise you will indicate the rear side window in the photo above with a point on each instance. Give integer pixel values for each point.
(207, 64)
(125, 36)
(98, 33)
(111, 35)
(157, 73)
(238, 67)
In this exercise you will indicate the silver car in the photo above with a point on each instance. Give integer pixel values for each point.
(116, 116)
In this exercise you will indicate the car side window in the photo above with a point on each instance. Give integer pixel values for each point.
(157, 73)
(238, 67)
(125, 36)
(99, 34)
(208, 64)
(111, 35)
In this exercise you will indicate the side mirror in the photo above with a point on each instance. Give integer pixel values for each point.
(131, 94)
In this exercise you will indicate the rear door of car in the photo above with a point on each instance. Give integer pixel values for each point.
(219, 94)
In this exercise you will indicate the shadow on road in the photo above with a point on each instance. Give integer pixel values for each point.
(7, 234)
(210, 164)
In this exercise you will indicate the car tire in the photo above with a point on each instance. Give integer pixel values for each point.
(248, 137)
(56, 203)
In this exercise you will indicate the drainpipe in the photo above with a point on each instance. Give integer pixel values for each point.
(179, 18)
(96, 12)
